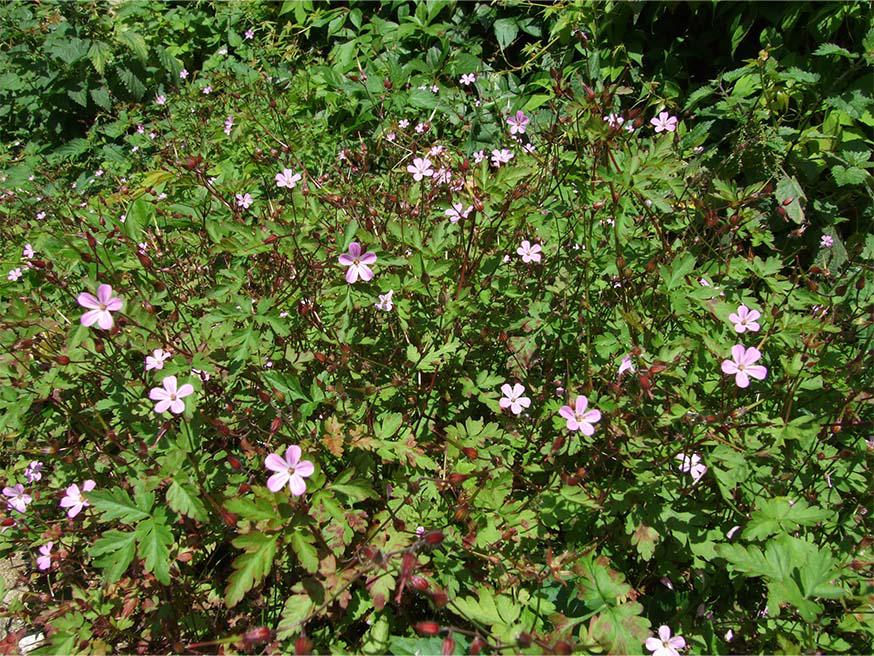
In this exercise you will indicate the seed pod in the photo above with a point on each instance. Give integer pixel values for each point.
(440, 598)
(470, 452)
(303, 646)
(427, 628)
(448, 646)
(433, 537)
(562, 647)
(419, 583)
(476, 646)
(524, 640)
(62, 360)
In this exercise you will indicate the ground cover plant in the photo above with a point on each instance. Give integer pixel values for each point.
(437, 328)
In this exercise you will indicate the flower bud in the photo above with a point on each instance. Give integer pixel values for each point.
(440, 598)
(303, 646)
(433, 537)
(448, 646)
(62, 360)
(419, 583)
(427, 628)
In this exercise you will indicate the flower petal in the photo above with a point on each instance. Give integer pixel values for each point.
(305, 468)
(104, 294)
(292, 455)
(354, 249)
(158, 394)
(737, 353)
(169, 384)
(177, 407)
(278, 481)
(567, 412)
(87, 300)
(274, 462)
(297, 484)
(664, 630)
(741, 379)
(161, 406)
(104, 319)
(729, 367)
(90, 317)
(757, 371)
(581, 404)
(186, 390)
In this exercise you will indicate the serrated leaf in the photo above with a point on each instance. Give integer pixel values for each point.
(506, 31)
(99, 53)
(620, 629)
(645, 539)
(781, 515)
(253, 509)
(114, 552)
(135, 42)
(116, 504)
(296, 611)
(132, 83)
(184, 499)
(827, 49)
(154, 540)
(302, 545)
(250, 567)
(101, 98)
(170, 63)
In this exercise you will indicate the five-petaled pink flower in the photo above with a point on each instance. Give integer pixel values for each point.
(467, 79)
(513, 398)
(290, 471)
(692, 465)
(518, 123)
(502, 156)
(457, 212)
(357, 263)
(14, 274)
(578, 418)
(665, 645)
(28, 252)
(33, 472)
(244, 200)
(625, 365)
(156, 360)
(827, 241)
(745, 319)
(742, 365)
(420, 168)
(287, 178)
(169, 396)
(44, 560)
(74, 501)
(385, 302)
(664, 122)
(99, 307)
(17, 498)
(160, 100)
(529, 252)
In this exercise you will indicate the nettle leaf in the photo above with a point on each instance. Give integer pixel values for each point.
(251, 567)
(184, 499)
(116, 504)
(100, 54)
(828, 49)
(782, 515)
(135, 42)
(154, 540)
(114, 552)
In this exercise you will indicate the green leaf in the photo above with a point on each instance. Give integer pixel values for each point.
(184, 499)
(116, 504)
(155, 539)
(790, 194)
(138, 216)
(302, 545)
(250, 567)
(296, 611)
(782, 515)
(645, 539)
(506, 31)
(132, 83)
(101, 98)
(253, 509)
(828, 49)
(99, 53)
(135, 42)
(114, 552)
(620, 629)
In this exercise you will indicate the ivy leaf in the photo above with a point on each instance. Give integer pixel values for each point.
(250, 567)
(117, 549)
(155, 539)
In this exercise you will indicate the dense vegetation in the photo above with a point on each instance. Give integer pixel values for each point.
(437, 327)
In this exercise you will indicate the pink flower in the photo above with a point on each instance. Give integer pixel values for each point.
(436, 151)
(183, 73)
(74, 501)
(14, 274)
(40, 216)
(513, 398)
(287, 178)
(99, 308)
(614, 120)
(17, 498)
(44, 560)
(826, 241)
(458, 212)
(664, 122)
(207, 90)
(33, 472)
(578, 419)
(625, 365)
(403, 123)
(28, 252)
(442, 176)
(479, 156)
(467, 79)
(357, 263)
(229, 124)
(420, 168)
(156, 360)
(421, 127)
(391, 136)
(244, 200)
(518, 123)
(290, 471)
(742, 365)
(501, 156)
(385, 301)
(745, 319)
(160, 100)
(249, 34)
(530, 253)
(691, 465)
(665, 645)
(169, 396)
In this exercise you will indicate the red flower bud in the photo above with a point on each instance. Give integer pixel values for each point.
(419, 583)
(476, 646)
(448, 646)
(440, 598)
(234, 462)
(524, 639)
(427, 628)
(562, 647)
(470, 452)
(433, 537)
(302, 646)
(63, 360)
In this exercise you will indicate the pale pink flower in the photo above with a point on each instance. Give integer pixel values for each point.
(458, 212)
(513, 398)
(14, 274)
(99, 307)
(420, 531)
(391, 136)
(357, 263)
(40, 216)
(183, 74)
(529, 148)
(741, 365)
(729, 534)
(518, 123)
(203, 375)
(614, 120)
(665, 645)
(691, 465)
(745, 319)
(287, 178)
(625, 365)
(420, 168)
(442, 176)
(435, 89)
(421, 127)
(479, 156)
(156, 360)
(33, 472)
(229, 124)
(17, 498)
(244, 200)
(467, 79)
(206, 90)
(403, 124)
(160, 100)
(141, 129)
(578, 418)
(290, 471)
(826, 241)
(74, 501)
(385, 301)
(44, 560)
(501, 156)
(169, 396)
(664, 122)
(249, 34)
(529, 252)
(629, 127)
(436, 151)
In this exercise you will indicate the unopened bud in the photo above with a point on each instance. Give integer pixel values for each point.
(427, 628)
